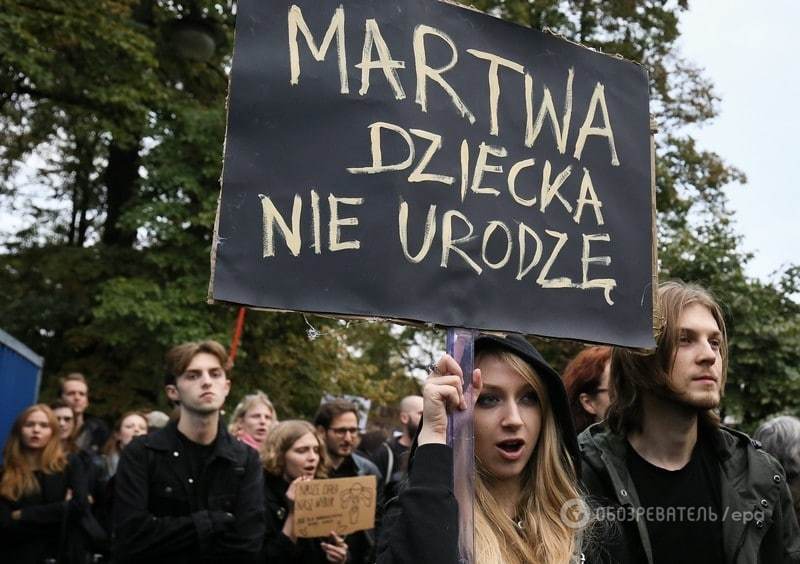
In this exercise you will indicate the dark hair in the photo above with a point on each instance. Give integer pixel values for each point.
(70, 446)
(180, 356)
(59, 403)
(583, 375)
(328, 411)
(633, 372)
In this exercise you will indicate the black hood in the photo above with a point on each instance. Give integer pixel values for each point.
(555, 390)
(555, 387)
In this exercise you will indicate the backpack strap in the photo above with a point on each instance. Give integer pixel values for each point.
(389, 464)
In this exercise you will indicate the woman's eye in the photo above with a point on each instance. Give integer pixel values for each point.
(488, 400)
(530, 398)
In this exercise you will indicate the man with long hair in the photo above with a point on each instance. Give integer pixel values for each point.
(683, 487)
(190, 492)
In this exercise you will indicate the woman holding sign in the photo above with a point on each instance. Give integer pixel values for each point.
(294, 453)
(527, 464)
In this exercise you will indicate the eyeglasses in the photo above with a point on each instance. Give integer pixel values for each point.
(342, 431)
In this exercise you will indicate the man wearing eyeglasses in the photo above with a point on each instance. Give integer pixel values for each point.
(337, 422)
(190, 492)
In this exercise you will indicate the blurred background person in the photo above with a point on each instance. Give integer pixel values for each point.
(780, 436)
(92, 432)
(92, 465)
(391, 457)
(587, 380)
(252, 419)
(371, 440)
(156, 420)
(42, 494)
(66, 425)
(130, 425)
(293, 453)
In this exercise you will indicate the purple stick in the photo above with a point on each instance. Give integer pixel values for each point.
(461, 438)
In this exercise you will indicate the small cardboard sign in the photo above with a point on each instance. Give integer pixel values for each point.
(343, 505)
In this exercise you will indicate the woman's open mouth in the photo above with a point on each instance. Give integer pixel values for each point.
(510, 449)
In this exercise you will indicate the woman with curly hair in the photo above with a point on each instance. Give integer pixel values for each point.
(42, 493)
(294, 453)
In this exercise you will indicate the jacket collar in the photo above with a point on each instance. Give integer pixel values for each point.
(226, 446)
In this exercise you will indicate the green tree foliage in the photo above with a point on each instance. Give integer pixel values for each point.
(111, 132)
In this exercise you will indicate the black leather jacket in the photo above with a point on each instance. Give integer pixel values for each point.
(753, 487)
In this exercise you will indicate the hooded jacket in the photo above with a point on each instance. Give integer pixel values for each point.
(421, 523)
(753, 486)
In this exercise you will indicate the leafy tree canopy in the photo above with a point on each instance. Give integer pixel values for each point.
(111, 128)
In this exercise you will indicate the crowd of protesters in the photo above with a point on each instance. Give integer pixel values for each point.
(621, 459)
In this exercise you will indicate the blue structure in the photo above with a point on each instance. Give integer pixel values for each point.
(20, 377)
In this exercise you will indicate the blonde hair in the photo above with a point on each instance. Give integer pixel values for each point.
(244, 406)
(548, 483)
(18, 474)
(280, 440)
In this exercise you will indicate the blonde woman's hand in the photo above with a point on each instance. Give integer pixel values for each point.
(442, 393)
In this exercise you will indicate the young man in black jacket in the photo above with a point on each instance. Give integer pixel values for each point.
(190, 492)
(682, 487)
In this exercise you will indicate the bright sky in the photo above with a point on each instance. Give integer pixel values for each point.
(748, 51)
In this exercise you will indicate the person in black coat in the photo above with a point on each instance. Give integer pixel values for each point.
(293, 453)
(527, 501)
(42, 494)
(190, 492)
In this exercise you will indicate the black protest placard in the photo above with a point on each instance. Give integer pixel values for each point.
(421, 161)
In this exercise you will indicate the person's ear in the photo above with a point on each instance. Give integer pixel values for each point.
(321, 430)
(404, 418)
(172, 392)
(587, 403)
